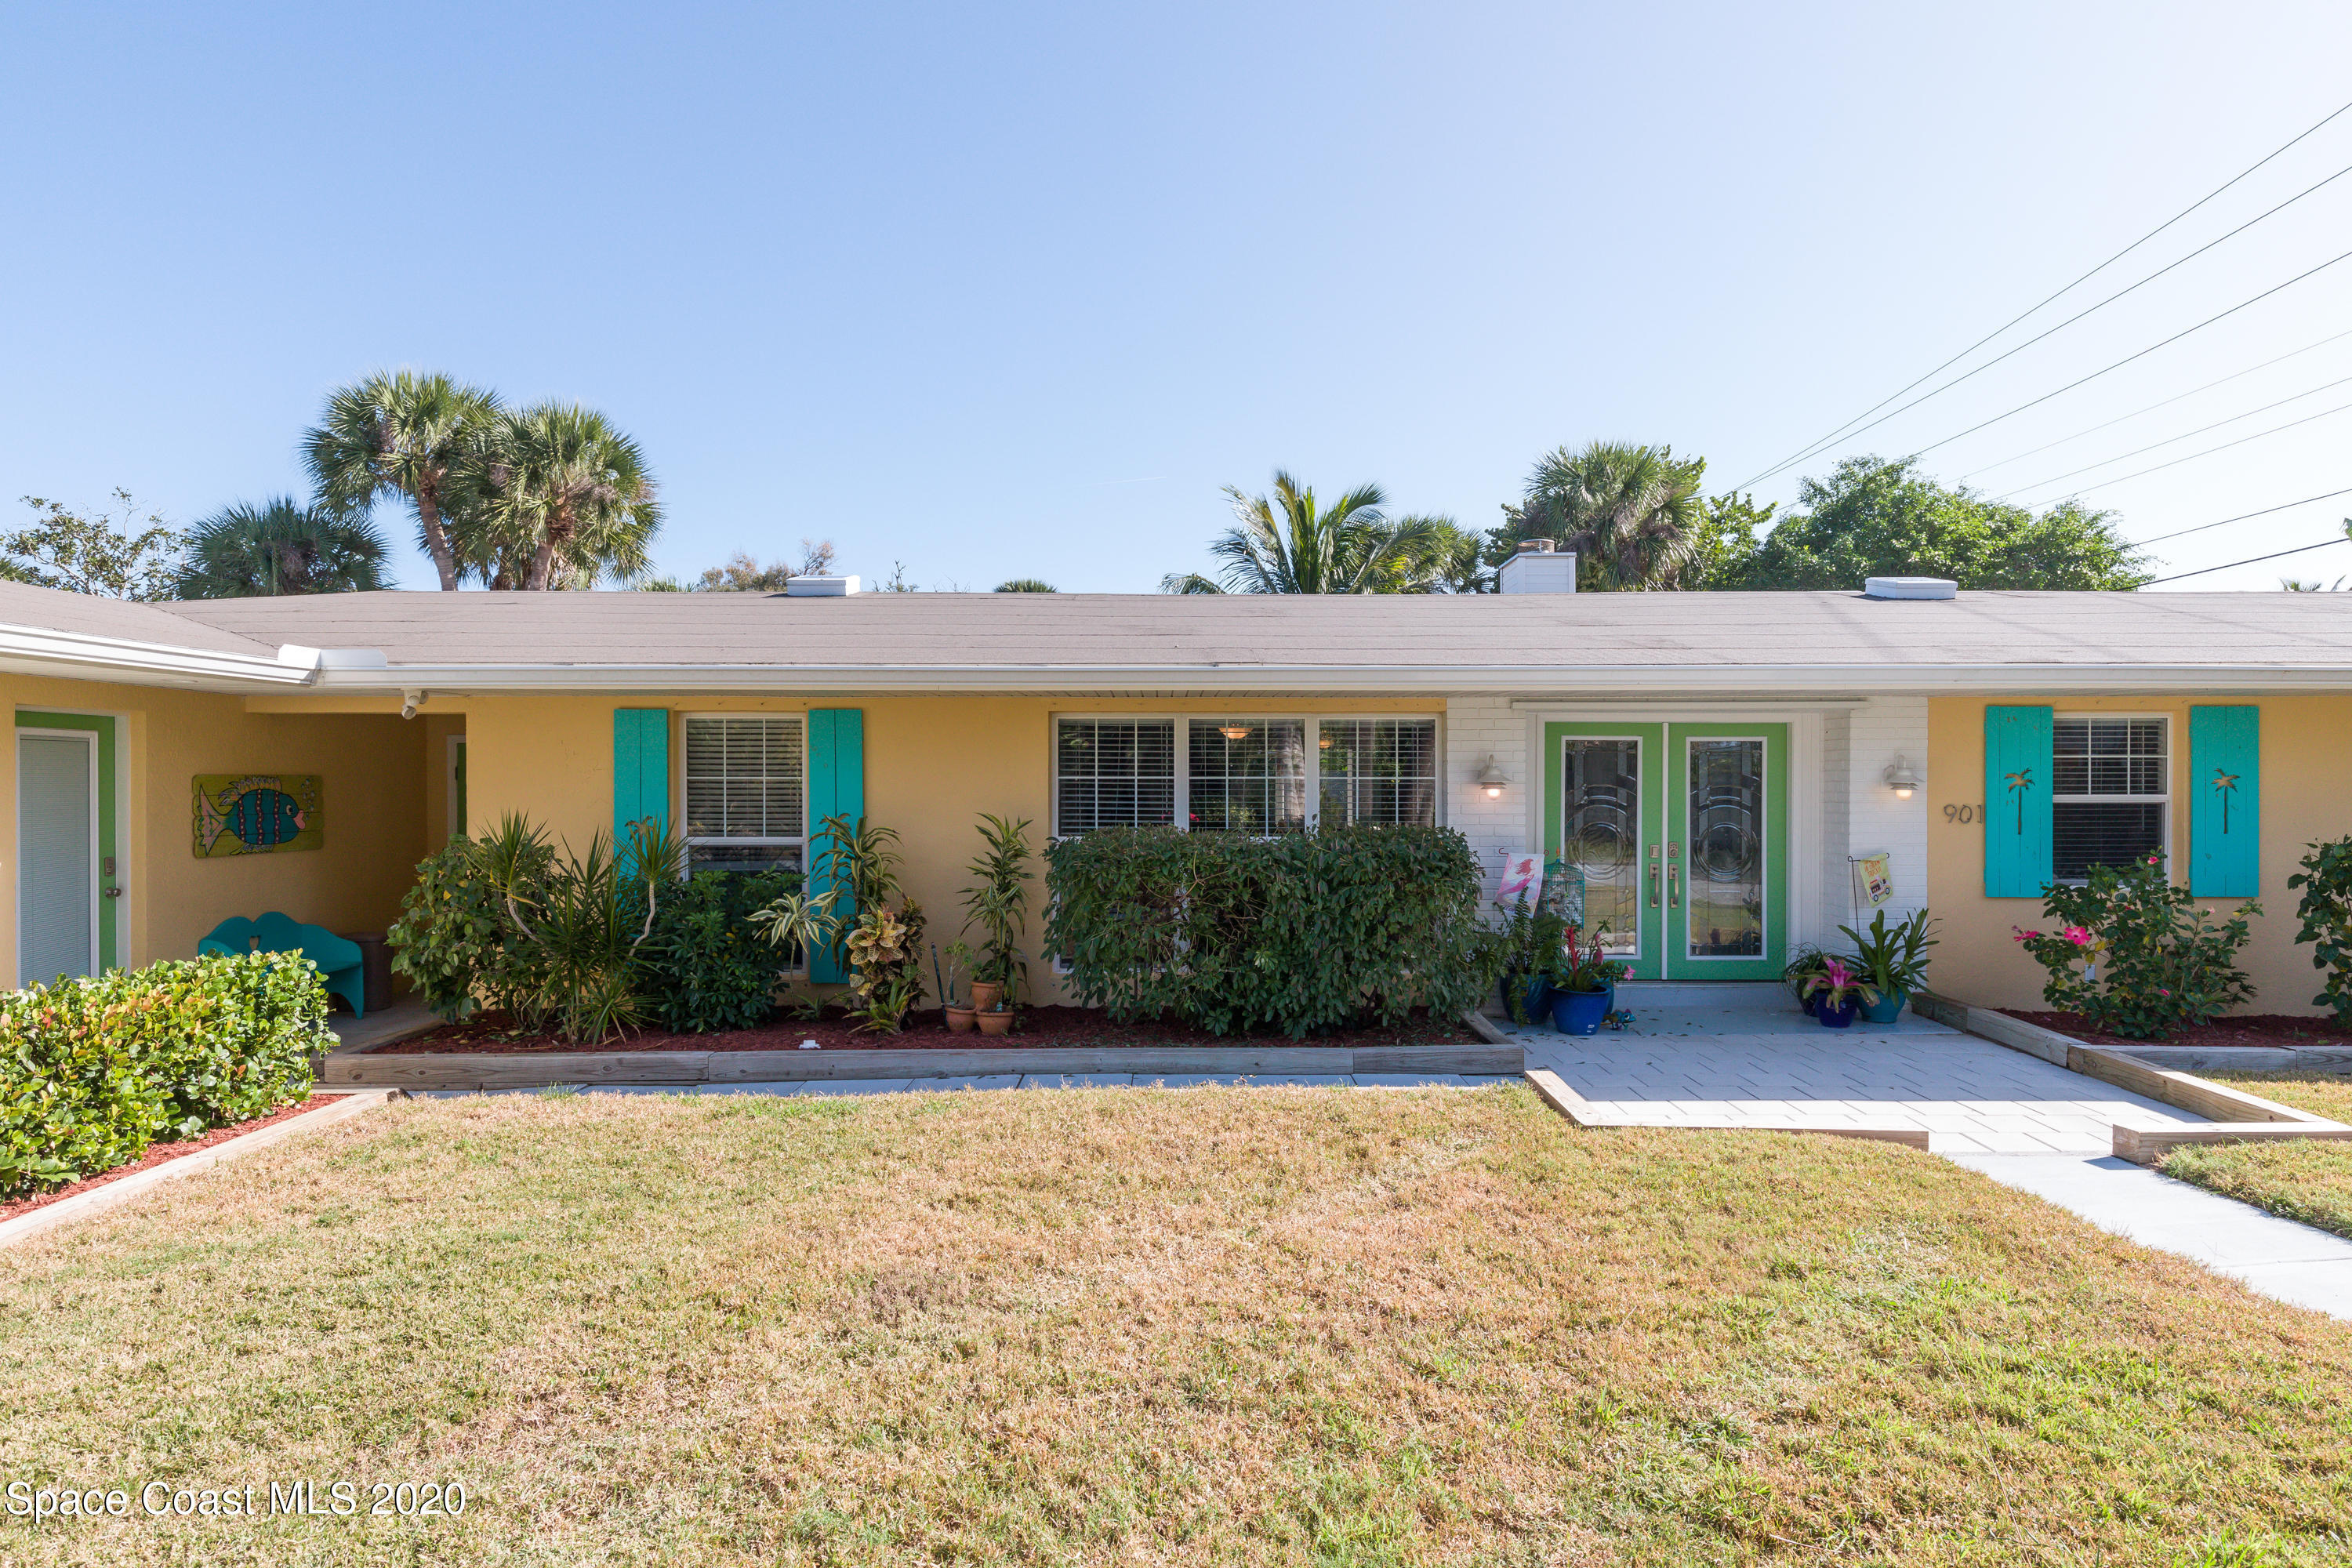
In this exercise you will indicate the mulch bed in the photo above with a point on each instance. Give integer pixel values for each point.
(159, 1152)
(2271, 1029)
(495, 1034)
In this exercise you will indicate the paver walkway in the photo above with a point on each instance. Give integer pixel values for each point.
(1742, 1056)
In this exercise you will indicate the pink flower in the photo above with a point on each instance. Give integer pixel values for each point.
(2079, 936)
(2023, 935)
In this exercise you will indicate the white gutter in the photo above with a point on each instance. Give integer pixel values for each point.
(1253, 676)
(122, 656)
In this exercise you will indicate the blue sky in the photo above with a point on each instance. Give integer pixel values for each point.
(1014, 291)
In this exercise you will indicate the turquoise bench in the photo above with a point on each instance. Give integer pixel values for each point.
(337, 960)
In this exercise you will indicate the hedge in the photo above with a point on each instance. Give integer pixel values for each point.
(1300, 934)
(93, 1071)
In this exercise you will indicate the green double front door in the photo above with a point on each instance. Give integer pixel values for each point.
(1676, 835)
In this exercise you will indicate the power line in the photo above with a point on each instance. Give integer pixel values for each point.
(2085, 277)
(2169, 440)
(2152, 407)
(2077, 316)
(2127, 359)
(2176, 462)
(2283, 505)
(2252, 560)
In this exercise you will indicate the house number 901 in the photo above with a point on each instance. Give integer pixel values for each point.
(1963, 813)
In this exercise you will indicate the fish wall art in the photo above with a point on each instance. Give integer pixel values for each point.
(258, 814)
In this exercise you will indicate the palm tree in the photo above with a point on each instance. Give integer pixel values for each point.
(406, 434)
(1632, 514)
(566, 500)
(1026, 585)
(1290, 545)
(280, 547)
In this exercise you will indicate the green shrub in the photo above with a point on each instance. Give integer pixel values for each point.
(2135, 955)
(706, 968)
(2326, 914)
(93, 1071)
(454, 937)
(1301, 934)
(583, 917)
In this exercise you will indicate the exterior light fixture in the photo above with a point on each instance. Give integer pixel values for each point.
(1492, 779)
(1900, 778)
(1234, 731)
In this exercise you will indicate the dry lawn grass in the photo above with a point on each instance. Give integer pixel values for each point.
(1261, 1326)
(2308, 1181)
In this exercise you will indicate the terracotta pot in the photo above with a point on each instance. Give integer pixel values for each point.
(960, 1019)
(985, 996)
(997, 1023)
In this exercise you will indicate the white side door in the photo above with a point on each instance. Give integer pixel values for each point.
(56, 855)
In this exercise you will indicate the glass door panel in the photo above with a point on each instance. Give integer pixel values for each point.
(1603, 864)
(1727, 899)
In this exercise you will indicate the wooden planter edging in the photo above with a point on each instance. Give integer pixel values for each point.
(2233, 1115)
(81, 1205)
(489, 1069)
(1556, 1092)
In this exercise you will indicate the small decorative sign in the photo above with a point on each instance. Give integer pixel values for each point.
(258, 814)
(1522, 877)
(1873, 879)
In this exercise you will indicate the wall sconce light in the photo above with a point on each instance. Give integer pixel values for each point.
(1492, 779)
(1900, 778)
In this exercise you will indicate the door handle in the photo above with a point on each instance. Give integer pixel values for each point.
(1674, 886)
(1654, 877)
(110, 892)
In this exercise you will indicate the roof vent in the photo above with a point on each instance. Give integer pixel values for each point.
(1910, 588)
(820, 587)
(1539, 567)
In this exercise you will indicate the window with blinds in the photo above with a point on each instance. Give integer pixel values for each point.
(2111, 792)
(1378, 772)
(1247, 775)
(746, 791)
(1114, 773)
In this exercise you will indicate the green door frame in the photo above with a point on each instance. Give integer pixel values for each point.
(108, 850)
(1665, 772)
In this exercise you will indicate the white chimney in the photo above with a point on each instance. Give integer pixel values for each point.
(820, 587)
(1910, 588)
(1538, 568)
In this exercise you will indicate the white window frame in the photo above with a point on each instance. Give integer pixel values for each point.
(677, 785)
(2163, 801)
(1183, 721)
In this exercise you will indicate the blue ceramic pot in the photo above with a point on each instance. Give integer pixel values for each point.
(1839, 1016)
(1887, 1008)
(1535, 994)
(1579, 1012)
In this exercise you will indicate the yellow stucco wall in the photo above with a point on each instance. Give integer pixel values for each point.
(375, 816)
(2307, 757)
(932, 765)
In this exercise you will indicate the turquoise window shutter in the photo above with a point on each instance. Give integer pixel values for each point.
(2017, 863)
(2225, 810)
(640, 769)
(836, 764)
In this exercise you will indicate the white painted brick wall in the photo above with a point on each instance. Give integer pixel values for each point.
(1879, 730)
(1832, 904)
(1475, 726)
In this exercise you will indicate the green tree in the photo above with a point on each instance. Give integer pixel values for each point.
(280, 547)
(419, 436)
(113, 557)
(566, 500)
(1871, 518)
(1026, 585)
(1290, 544)
(1632, 514)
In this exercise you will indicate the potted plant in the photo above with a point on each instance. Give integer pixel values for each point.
(999, 905)
(997, 1021)
(959, 1015)
(1530, 943)
(1838, 993)
(1894, 961)
(1584, 987)
(1800, 969)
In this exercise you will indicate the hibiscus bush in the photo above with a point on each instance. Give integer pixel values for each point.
(2136, 955)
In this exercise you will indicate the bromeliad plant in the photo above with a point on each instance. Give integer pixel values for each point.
(1584, 967)
(998, 904)
(2327, 915)
(1837, 984)
(1893, 959)
(585, 916)
(2135, 955)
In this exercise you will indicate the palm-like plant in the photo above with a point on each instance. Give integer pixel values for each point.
(566, 500)
(406, 434)
(1632, 514)
(1289, 545)
(280, 547)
